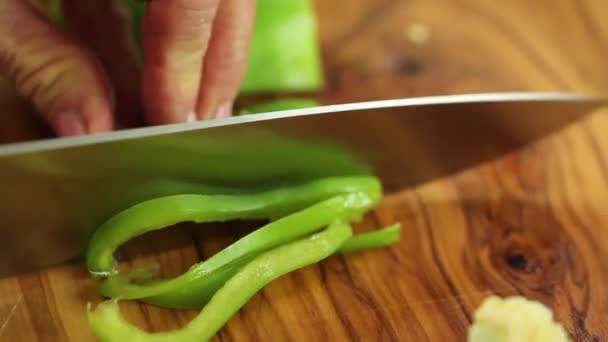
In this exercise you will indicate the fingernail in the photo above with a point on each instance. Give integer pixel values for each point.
(191, 117)
(97, 114)
(224, 110)
(68, 124)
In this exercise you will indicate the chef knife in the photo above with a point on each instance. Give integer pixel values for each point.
(55, 192)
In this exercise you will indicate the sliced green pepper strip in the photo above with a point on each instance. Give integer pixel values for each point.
(319, 202)
(109, 325)
(376, 239)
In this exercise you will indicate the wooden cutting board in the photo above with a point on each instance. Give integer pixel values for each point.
(534, 223)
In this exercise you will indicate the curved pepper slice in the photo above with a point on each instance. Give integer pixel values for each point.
(316, 204)
(109, 325)
(376, 239)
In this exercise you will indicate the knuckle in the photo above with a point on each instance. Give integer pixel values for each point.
(197, 7)
(182, 21)
(44, 80)
(43, 74)
(38, 61)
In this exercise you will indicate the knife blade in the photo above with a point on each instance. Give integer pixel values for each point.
(55, 192)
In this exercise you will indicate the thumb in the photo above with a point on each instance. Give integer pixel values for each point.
(61, 79)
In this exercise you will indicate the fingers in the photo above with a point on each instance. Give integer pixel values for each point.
(104, 26)
(175, 38)
(62, 80)
(226, 60)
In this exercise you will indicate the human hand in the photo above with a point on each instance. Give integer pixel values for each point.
(87, 80)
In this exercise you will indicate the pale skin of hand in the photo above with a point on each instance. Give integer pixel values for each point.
(88, 80)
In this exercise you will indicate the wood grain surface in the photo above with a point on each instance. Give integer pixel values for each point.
(533, 223)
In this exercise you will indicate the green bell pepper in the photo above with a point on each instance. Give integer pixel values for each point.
(297, 210)
(284, 56)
